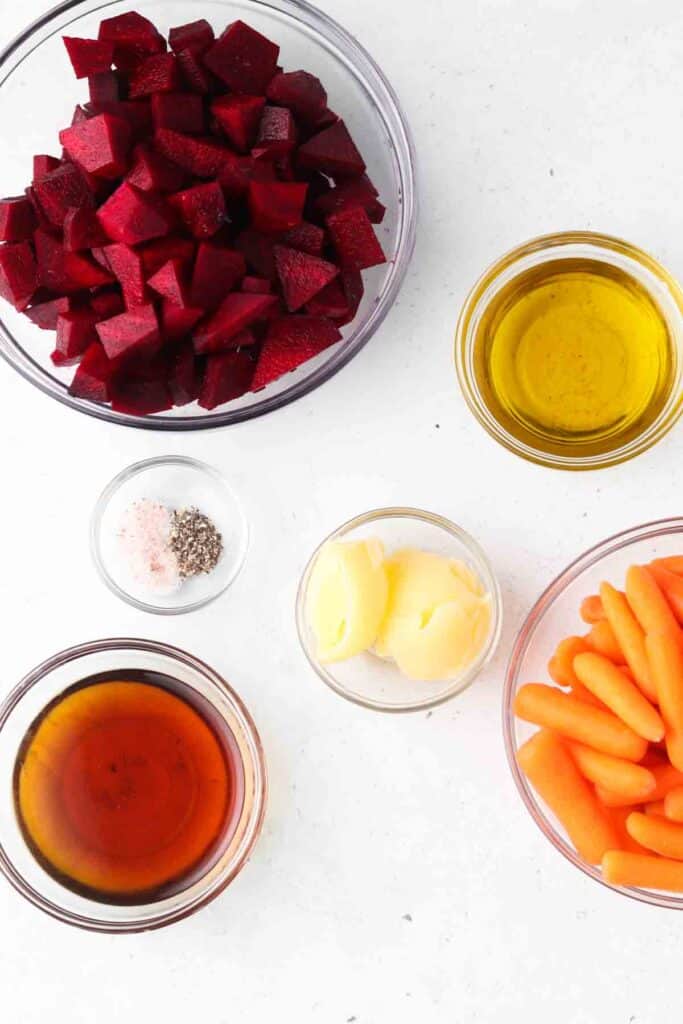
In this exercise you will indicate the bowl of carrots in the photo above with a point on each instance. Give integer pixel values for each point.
(593, 713)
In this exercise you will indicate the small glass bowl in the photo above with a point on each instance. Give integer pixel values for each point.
(374, 682)
(29, 698)
(662, 288)
(177, 482)
(554, 616)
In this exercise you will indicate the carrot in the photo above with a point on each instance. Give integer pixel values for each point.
(602, 639)
(656, 834)
(630, 636)
(591, 609)
(673, 563)
(655, 808)
(617, 817)
(666, 778)
(560, 665)
(546, 706)
(674, 747)
(620, 867)
(647, 601)
(585, 696)
(552, 772)
(671, 586)
(665, 655)
(619, 776)
(613, 688)
(673, 804)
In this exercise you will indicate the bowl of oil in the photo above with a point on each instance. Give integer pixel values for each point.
(569, 351)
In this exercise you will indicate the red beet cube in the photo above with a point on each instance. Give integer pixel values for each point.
(178, 320)
(180, 111)
(136, 113)
(89, 56)
(354, 239)
(127, 266)
(201, 157)
(43, 164)
(352, 283)
(276, 133)
(243, 59)
(100, 145)
(290, 341)
(75, 333)
(197, 37)
(169, 281)
(239, 117)
(330, 301)
(193, 73)
(216, 272)
(93, 376)
(354, 192)
(333, 152)
(227, 376)
(257, 249)
(105, 87)
(135, 332)
(256, 285)
(184, 378)
(134, 38)
(65, 272)
(107, 303)
(155, 254)
(276, 206)
(152, 172)
(18, 219)
(307, 237)
(61, 189)
(18, 276)
(140, 394)
(302, 276)
(201, 208)
(158, 73)
(301, 92)
(82, 230)
(44, 315)
(133, 216)
(235, 313)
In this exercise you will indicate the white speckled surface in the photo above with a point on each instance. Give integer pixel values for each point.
(398, 880)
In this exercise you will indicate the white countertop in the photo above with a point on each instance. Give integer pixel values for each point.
(399, 879)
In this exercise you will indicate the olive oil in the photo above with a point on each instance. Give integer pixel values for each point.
(574, 357)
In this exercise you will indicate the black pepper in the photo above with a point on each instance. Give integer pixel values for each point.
(195, 541)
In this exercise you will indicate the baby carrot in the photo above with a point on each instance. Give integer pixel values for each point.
(553, 709)
(581, 693)
(617, 817)
(552, 772)
(655, 808)
(666, 778)
(673, 804)
(671, 586)
(591, 609)
(656, 834)
(560, 665)
(665, 655)
(630, 636)
(674, 747)
(619, 776)
(647, 601)
(620, 867)
(613, 688)
(602, 639)
(674, 563)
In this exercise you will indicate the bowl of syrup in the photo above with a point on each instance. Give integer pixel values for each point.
(136, 785)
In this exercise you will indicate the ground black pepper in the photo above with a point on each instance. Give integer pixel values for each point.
(195, 541)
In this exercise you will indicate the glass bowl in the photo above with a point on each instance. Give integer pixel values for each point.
(663, 290)
(29, 698)
(374, 682)
(177, 482)
(35, 76)
(554, 616)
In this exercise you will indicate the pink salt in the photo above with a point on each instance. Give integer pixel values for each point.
(144, 536)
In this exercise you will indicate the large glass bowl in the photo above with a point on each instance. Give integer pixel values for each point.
(554, 616)
(38, 93)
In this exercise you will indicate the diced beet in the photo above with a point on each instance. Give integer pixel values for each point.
(184, 378)
(61, 189)
(291, 341)
(135, 332)
(227, 376)
(302, 276)
(302, 92)
(100, 145)
(107, 303)
(276, 206)
(354, 239)
(152, 172)
(170, 282)
(59, 360)
(276, 134)
(44, 314)
(216, 273)
(134, 38)
(18, 219)
(158, 73)
(202, 157)
(93, 377)
(258, 252)
(140, 394)
(81, 114)
(155, 254)
(136, 113)
(65, 272)
(330, 301)
(193, 73)
(133, 216)
(333, 152)
(243, 59)
(235, 313)
(105, 87)
(256, 285)
(239, 116)
(305, 236)
(354, 192)
(326, 120)
(352, 283)
(75, 333)
(177, 321)
(197, 36)
(179, 111)
(18, 276)
(82, 230)
(43, 164)
(235, 174)
(201, 208)
(89, 56)
(127, 266)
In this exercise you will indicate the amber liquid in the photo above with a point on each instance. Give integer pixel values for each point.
(126, 785)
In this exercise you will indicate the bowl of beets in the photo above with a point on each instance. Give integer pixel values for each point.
(210, 208)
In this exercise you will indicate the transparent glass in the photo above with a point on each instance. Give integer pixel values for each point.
(662, 289)
(374, 682)
(554, 616)
(35, 78)
(28, 699)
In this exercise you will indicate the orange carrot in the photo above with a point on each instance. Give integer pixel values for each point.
(553, 709)
(602, 639)
(647, 601)
(619, 776)
(656, 834)
(671, 586)
(655, 808)
(673, 563)
(620, 867)
(674, 747)
(591, 609)
(673, 804)
(666, 778)
(613, 688)
(630, 636)
(560, 665)
(665, 655)
(581, 693)
(617, 816)
(552, 772)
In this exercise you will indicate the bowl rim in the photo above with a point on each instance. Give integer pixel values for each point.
(388, 108)
(616, 542)
(258, 763)
(490, 581)
(135, 469)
